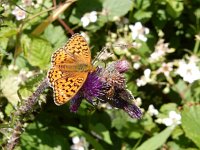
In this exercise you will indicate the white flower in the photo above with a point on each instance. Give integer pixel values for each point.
(29, 74)
(139, 32)
(147, 73)
(89, 17)
(75, 139)
(167, 121)
(161, 49)
(152, 111)
(5, 6)
(23, 75)
(141, 81)
(173, 120)
(19, 13)
(135, 58)
(144, 79)
(138, 101)
(166, 68)
(105, 54)
(136, 45)
(78, 143)
(12, 67)
(136, 65)
(190, 72)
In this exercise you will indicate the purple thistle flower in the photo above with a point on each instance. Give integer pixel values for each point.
(110, 76)
(92, 87)
(90, 90)
(108, 85)
(122, 66)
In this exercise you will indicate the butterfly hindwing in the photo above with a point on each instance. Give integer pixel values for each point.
(65, 88)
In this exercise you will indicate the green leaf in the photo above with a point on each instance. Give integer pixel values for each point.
(8, 31)
(117, 8)
(195, 91)
(141, 4)
(38, 137)
(39, 53)
(160, 19)
(174, 8)
(3, 44)
(9, 109)
(89, 138)
(181, 87)
(143, 15)
(102, 131)
(156, 141)
(9, 85)
(58, 39)
(165, 108)
(30, 85)
(191, 123)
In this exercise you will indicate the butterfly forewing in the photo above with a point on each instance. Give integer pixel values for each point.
(78, 46)
(62, 56)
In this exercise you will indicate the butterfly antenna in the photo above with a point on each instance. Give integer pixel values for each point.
(100, 54)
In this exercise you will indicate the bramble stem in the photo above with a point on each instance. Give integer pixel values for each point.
(17, 119)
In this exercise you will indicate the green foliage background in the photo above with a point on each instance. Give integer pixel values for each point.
(29, 44)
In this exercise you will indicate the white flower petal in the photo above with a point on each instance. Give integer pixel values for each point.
(85, 21)
(75, 139)
(138, 25)
(167, 121)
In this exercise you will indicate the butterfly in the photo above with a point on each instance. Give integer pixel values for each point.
(70, 66)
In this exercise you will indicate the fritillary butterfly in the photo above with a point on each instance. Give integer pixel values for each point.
(70, 67)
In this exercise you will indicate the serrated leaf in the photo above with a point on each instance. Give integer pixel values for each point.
(7, 31)
(58, 39)
(116, 8)
(191, 123)
(156, 141)
(39, 53)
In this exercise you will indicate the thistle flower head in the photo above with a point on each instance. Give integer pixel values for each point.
(90, 90)
(111, 76)
(108, 85)
(92, 87)
(122, 66)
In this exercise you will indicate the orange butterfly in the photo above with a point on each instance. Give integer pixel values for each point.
(70, 67)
